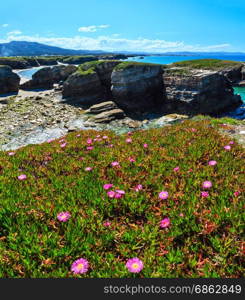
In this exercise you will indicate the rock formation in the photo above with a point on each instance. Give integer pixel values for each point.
(9, 81)
(138, 87)
(46, 77)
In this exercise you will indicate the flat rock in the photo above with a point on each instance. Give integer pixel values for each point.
(101, 107)
(108, 116)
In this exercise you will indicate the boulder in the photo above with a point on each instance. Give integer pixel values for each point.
(101, 107)
(9, 81)
(47, 77)
(243, 73)
(233, 74)
(108, 116)
(138, 87)
(199, 92)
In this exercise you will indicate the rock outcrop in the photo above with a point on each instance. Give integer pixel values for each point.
(138, 87)
(91, 83)
(108, 116)
(233, 74)
(9, 81)
(101, 107)
(46, 77)
(198, 92)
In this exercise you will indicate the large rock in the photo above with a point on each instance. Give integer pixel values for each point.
(46, 77)
(91, 84)
(101, 107)
(198, 92)
(243, 73)
(233, 74)
(138, 87)
(108, 116)
(9, 81)
(14, 62)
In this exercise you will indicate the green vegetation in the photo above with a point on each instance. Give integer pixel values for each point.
(207, 64)
(204, 238)
(129, 64)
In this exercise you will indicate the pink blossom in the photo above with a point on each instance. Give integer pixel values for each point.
(107, 186)
(81, 158)
(207, 184)
(11, 153)
(121, 192)
(107, 224)
(105, 137)
(131, 159)
(110, 146)
(231, 142)
(237, 193)
(22, 177)
(176, 169)
(134, 265)
(63, 216)
(193, 129)
(130, 133)
(165, 223)
(78, 135)
(89, 141)
(80, 266)
(61, 141)
(163, 195)
(227, 147)
(115, 164)
(145, 145)
(128, 140)
(98, 136)
(111, 194)
(88, 169)
(90, 148)
(212, 163)
(63, 145)
(118, 196)
(204, 194)
(138, 187)
(181, 215)
(50, 141)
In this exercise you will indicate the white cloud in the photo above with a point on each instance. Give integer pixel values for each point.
(5, 25)
(92, 28)
(15, 32)
(110, 43)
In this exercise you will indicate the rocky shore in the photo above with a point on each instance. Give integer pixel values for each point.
(108, 94)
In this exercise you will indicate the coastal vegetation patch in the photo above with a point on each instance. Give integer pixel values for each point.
(163, 202)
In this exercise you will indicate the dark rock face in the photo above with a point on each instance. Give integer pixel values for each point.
(91, 84)
(9, 81)
(14, 63)
(138, 88)
(46, 77)
(203, 92)
(234, 74)
(243, 73)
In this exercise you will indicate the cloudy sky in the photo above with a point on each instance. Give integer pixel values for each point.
(131, 25)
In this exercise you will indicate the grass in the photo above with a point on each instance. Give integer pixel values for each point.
(129, 64)
(207, 64)
(204, 238)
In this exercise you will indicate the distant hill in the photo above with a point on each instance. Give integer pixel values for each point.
(21, 48)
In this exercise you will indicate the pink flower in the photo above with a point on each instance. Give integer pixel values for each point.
(207, 184)
(131, 159)
(50, 141)
(128, 140)
(145, 145)
(176, 169)
(121, 192)
(193, 129)
(163, 195)
(63, 145)
(11, 153)
(181, 215)
(190, 170)
(212, 163)
(138, 187)
(98, 136)
(89, 141)
(165, 223)
(134, 265)
(111, 194)
(61, 141)
(63, 216)
(237, 193)
(204, 194)
(80, 266)
(78, 135)
(105, 137)
(22, 177)
(107, 186)
(231, 142)
(115, 164)
(130, 133)
(110, 146)
(88, 169)
(227, 147)
(107, 224)
(81, 158)
(90, 148)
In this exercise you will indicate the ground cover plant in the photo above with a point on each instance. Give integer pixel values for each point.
(164, 202)
(208, 64)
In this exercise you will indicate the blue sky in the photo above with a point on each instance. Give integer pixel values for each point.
(133, 25)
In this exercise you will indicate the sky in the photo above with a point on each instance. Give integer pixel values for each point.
(127, 25)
